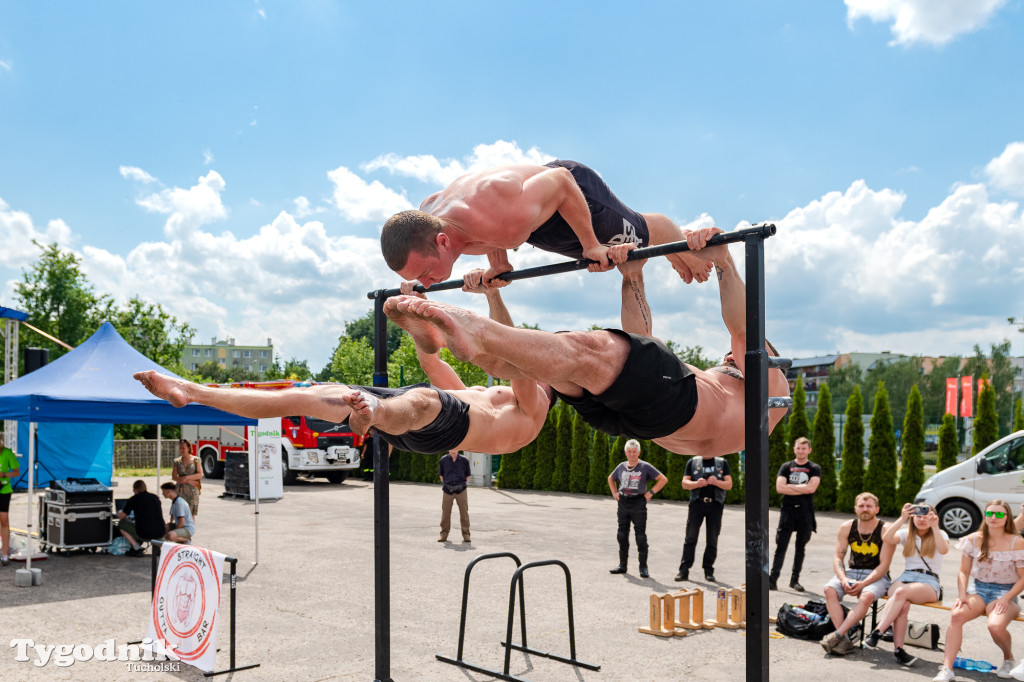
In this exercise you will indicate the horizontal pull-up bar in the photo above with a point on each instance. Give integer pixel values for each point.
(756, 232)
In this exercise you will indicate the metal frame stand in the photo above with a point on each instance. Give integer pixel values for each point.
(756, 445)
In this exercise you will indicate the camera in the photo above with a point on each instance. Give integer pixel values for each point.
(921, 510)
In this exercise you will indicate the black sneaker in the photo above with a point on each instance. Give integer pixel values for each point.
(796, 587)
(682, 575)
(710, 576)
(872, 639)
(773, 585)
(618, 569)
(136, 552)
(903, 658)
(644, 573)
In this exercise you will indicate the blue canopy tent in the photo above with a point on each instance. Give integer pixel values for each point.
(93, 384)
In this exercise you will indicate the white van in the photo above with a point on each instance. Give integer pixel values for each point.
(960, 493)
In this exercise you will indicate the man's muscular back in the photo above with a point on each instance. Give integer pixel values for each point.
(490, 209)
(500, 419)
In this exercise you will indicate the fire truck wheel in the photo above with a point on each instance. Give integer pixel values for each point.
(336, 476)
(211, 467)
(288, 477)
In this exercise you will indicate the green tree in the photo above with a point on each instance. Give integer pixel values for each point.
(691, 355)
(673, 490)
(986, 425)
(597, 483)
(151, 330)
(842, 381)
(59, 300)
(544, 453)
(508, 472)
(851, 477)
(582, 448)
(362, 328)
(898, 375)
(880, 477)
(823, 448)
(912, 464)
(1018, 416)
(617, 455)
(353, 362)
(528, 465)
(297, 370)
(737, 495)
(949, 443)
(563, 449)
(654, 454)
(799, 425)
(778, 454)
(997, 366)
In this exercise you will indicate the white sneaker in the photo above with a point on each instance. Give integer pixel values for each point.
(4, 560)
(1004, 670)
(944, 675)
(1017, 672)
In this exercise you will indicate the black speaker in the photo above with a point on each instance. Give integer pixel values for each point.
(36, 358)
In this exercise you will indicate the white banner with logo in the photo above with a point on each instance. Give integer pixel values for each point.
(265, 460)
(186, 602)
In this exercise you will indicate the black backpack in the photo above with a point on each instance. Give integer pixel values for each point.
(794, 624)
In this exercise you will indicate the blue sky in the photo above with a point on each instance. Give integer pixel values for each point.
(234, 161)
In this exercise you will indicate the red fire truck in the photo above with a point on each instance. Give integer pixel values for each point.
(309, 446)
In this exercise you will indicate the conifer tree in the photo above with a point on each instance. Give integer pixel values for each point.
(544, 452)
(799, 425)
(949, 443)
(880, 477)
(986, 423)
(563, 450)
(508, 471)
(673, 490)
(1018, 416)
(654, 454)
(778, 454)
(582, 447)
(823, 449)
(851, 476)
(912, 462)
(616, 456)
(527, 466)
(737, 495)
(599, 469)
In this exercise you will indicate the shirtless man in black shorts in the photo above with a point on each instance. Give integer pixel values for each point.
(429, 418)
(563, 206)
(620, 382)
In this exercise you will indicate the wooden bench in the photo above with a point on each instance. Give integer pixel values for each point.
(930, 604)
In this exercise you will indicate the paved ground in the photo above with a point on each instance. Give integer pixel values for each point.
(305, 612)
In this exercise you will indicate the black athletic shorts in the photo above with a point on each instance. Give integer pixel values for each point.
(445, 433)
(5, 502)
(614, 222)
(654, 396)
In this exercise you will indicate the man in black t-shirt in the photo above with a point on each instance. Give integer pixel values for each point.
(148, 523)
(796, 482)
(707, 479)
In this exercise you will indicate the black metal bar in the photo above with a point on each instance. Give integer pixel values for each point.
(780, 363)
(381, 512)
(465, 596)
(779, 401)
(758, 232)
(518, 577)
(756, 446)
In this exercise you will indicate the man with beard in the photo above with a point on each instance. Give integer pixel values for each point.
(866, 577)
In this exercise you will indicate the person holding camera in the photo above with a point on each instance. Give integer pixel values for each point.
(924, 546)
(453, 470)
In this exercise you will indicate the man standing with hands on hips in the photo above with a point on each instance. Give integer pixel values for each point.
(707, 479)
(454, 471)
(628, 483)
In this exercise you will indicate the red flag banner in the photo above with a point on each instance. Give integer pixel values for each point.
(951, 395)
(967, 399)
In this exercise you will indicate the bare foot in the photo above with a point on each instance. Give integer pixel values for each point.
(174, 391)
(460, 328)
(427, 337)
(690, 266)
(364, 410)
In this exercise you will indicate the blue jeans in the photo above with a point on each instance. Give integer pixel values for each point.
(989, 592)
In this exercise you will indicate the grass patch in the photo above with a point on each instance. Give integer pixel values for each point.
(141, 472)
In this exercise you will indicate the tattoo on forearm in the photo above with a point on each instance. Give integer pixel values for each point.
(638, 293)
(718, 269)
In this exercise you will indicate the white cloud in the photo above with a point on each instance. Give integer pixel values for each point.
(17, 232)
(137, 174)
(929, 21)
(1006, 171)
(188, 208)
(427, 168)
(207, 157)
(303, 208)
(360, 201)
(5, 65)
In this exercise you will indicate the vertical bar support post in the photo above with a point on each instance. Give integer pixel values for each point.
(381, 509)
(756, 459)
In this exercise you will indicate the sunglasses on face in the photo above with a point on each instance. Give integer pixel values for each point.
(998, 515)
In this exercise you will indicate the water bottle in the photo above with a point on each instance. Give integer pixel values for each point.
(963, 663)
(983, 666)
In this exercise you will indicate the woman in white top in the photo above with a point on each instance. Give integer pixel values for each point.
(919, 583)
(993, 561)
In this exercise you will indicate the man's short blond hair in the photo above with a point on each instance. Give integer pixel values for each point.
(867, 496)
(802, 439)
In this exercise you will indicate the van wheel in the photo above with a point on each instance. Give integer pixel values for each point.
(958, 518)
(288, 477)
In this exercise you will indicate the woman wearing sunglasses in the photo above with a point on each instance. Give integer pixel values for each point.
(993, 561)
(924, 547)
